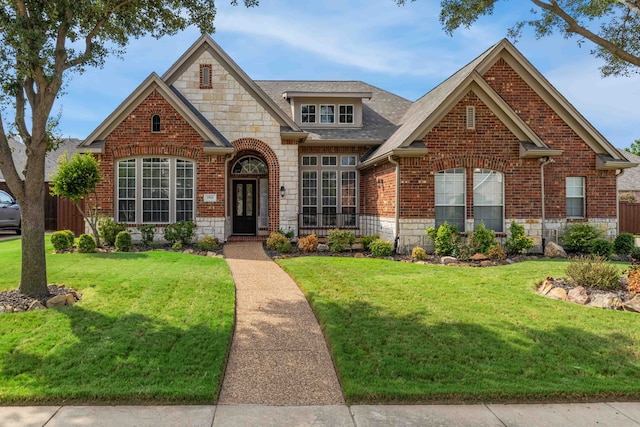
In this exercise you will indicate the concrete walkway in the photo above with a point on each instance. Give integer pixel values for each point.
(278, 354)
(561, 415)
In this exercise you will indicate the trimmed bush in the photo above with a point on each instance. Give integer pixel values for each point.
(578, 237)
(381, 247)
(518, 242)
(279, 242)
(365, 241)
(482, 239)
(123, 241)
(70, 236)
(147, 234)
(592, 271)
(339, 240)
(109, 229)
(208, 243)
(497, 252)
(308, 243)
(181, 231)
(60, 241)
(418, 253)
(624, 243)
(602, 247)
(86, 244)
(446, 239)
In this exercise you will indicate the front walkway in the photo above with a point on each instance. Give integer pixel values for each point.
(278, 354)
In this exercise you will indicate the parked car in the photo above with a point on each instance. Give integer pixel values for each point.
(9, 213)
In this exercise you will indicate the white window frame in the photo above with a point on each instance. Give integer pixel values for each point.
(349, 117)
(450, 177)
(574, 195)
(494, 198)
(172, 189)
(327, 115)
(308, 114)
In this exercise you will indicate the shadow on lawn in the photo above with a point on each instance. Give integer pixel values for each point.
(126, 358)
(384, 357)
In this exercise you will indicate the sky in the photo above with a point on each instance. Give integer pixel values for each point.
(401, 49)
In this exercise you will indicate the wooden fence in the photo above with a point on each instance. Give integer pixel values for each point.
(629, 217)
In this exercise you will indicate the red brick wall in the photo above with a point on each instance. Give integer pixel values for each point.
(133, 137)
(378, 191)
(577, 160)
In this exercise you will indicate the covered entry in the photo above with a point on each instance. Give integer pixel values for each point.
(250, 195)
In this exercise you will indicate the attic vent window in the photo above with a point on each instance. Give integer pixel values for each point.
(155, 123)
(471, 117)
(205, 76)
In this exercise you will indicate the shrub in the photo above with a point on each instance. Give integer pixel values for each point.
(624, 243)
(339, 240)
(592, 271)
(518, 242)
(308, 243)
(181, 231)
(380, 247)
(578, 237)
(208, 243)
(60, 241)
(602, 247)
(109, 229)
(86, 244)
(635, 254)
(365, 241)
(147, 234)
(123, 241)
(70, 236)
(482, 239)
(633, 278)
(497, 252)
(279, 242)
(289, 234)
(418, 253)
(446, 239)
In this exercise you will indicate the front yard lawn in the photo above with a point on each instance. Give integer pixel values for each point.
(403, 332)
(151, 327)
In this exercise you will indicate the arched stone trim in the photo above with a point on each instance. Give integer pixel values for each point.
(471, 161)
(245, 146)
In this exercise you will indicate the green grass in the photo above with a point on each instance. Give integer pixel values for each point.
(151, 327)
(420, 333)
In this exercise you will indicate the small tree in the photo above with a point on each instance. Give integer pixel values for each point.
(76, 180)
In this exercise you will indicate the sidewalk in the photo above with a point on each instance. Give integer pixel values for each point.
(560, 415)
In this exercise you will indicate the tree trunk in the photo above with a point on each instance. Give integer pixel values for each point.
(33, 279)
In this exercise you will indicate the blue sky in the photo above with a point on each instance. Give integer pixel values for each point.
(400, 49)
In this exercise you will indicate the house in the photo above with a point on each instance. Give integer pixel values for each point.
(494, 143)
(629, 181)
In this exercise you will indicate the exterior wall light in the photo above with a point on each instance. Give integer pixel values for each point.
(283, 191)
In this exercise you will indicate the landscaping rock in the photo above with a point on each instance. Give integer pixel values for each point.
(211, 254)
(558, 293)
(446, 260)
(359, 255)
(578, 295)
(605, 300)
(479, 257)
(322, 247)
(546, 286)
(36, 305)
(632, 305)
(57, 301)
(486, 263)
(70, 300)
(554, 250)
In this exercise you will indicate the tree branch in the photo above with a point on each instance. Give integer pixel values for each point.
(16, 185)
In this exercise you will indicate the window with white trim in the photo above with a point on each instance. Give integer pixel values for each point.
(308, 113)
(450, 198)
(488, 199)
(345, 114)
(327, 114)
(155, 190)
(329, 190)
(575, 197)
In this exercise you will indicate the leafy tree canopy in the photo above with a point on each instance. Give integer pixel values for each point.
(613, 26)
(634, 148)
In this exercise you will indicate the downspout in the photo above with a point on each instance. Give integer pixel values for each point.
(226, 191)
(543, 162)
(397, 213)
(618, 175)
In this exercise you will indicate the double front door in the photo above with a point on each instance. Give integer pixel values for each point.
(244, 206)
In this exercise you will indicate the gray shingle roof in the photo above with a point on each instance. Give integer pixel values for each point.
(381, 114)
(630, 179)
(68, 146)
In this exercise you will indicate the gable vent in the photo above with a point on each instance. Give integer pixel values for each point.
(471, 117)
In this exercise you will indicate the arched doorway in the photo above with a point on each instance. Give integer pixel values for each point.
(249, 194)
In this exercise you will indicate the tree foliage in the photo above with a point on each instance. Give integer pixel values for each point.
(40, 43)
(76, 180)
(634, 148)
(613, 26)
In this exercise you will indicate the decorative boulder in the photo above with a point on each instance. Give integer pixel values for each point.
(578, 295)
(558, 293)
(323, 247)
(57, 301)
(546, 286)
(446, 260)
(606, 300)
(554, 250)
(479, 257)
(632, 305)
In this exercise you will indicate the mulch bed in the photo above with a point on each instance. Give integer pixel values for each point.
(21, 302)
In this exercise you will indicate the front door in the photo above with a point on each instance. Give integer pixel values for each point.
(244, 207)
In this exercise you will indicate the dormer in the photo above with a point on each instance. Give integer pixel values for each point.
(326, 109)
